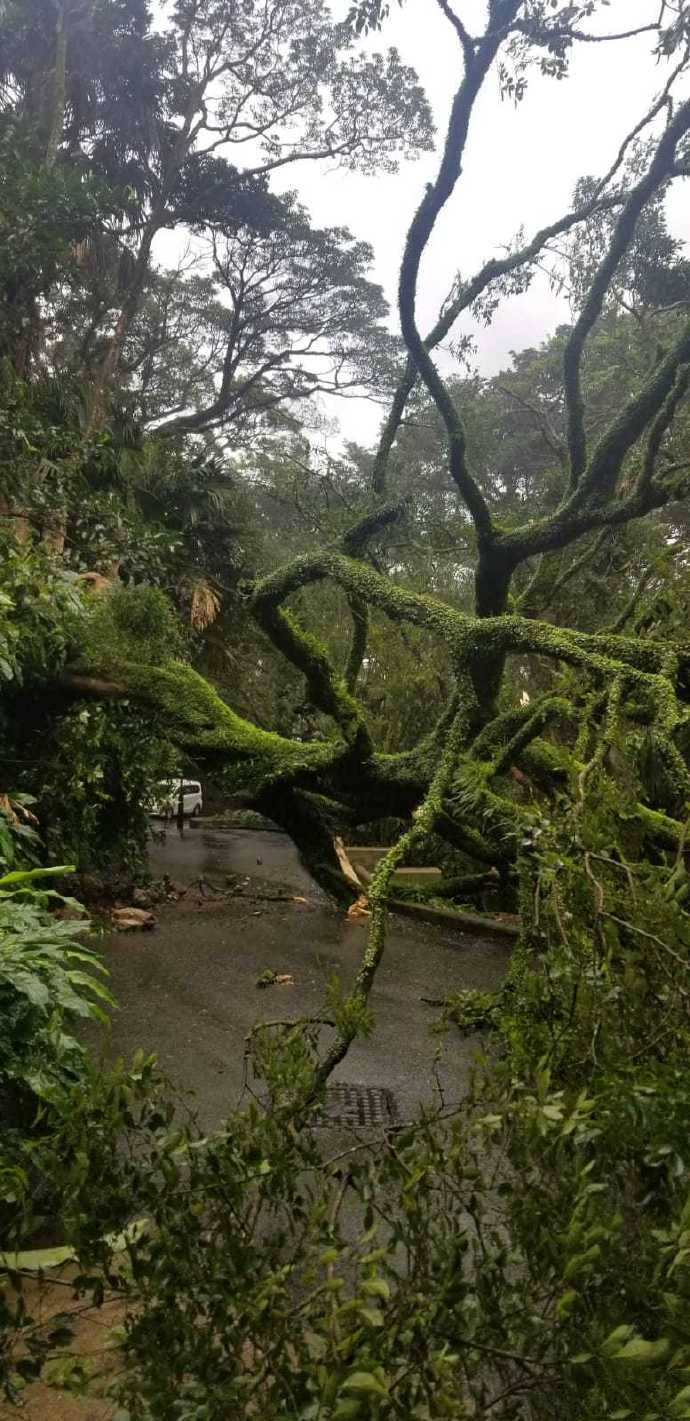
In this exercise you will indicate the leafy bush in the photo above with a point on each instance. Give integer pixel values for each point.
(98, 774)
(522, 1257)
(131, 624)
(40, 608)
(48, 980)
(92, 776)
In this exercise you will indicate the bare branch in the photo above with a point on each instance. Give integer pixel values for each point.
(661, 426)
(470, 292)
(555, 32)
(659, 170)
(659, 104)
(100, 686)
(578, 563)
(462, 33)
(435, 198)
(555, 444)
(360, 631)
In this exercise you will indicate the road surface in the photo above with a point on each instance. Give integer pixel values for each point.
(188, 989)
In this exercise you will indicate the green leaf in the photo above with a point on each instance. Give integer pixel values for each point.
(615, 1339)
(376, 1287)
(366, 1382)
(37, 1258)
(566, 1303)
(639, 1350)
(31, 987)
(580, 1261)
(680, 1405)
(27, 875)
(373, 1316)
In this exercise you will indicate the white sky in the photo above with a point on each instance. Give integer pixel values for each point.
(520, 168)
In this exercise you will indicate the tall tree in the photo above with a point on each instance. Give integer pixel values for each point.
(163, 118)
(614, 705)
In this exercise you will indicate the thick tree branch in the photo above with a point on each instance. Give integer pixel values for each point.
(659, 170)
(360, 632)
(435, 198)
(660, 427)
(458, 26)
(549, 709)
(471, 291)
(467, 637)
(355, 539)
(497, 269)
(591, 504)
(327, 691)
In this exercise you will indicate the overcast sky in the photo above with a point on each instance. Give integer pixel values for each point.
(520, 168)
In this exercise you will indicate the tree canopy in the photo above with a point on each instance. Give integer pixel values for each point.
(470, 639)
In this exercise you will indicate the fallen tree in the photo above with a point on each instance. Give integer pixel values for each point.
(617, 706)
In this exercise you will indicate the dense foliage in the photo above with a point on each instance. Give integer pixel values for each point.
(475, 634)
(49, 979)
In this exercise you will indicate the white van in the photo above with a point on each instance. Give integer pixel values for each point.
(167, 801)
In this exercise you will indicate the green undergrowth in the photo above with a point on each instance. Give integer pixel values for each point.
(525, 1255)
(470, 1010)
(522, 1256)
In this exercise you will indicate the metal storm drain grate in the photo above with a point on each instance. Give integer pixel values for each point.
(358, 1106)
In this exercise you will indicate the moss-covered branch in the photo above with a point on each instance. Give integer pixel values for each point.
(360, 632)
(465, 636)
(425, 820)
(549, 709)
(326, 688)
(196, 717)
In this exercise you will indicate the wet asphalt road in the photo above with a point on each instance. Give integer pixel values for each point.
(188, 989)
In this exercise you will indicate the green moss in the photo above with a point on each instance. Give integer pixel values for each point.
(130, 623)
(196, 717)
(468, 637)
(541, 757)
(345, 781)
(550, 709)
(326, 688)
(658, 827)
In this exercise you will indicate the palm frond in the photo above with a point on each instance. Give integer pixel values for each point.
(206, 604)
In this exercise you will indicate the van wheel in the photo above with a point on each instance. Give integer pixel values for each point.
(196, 811)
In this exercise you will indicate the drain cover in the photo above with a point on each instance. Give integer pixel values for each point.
(358, 1106)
